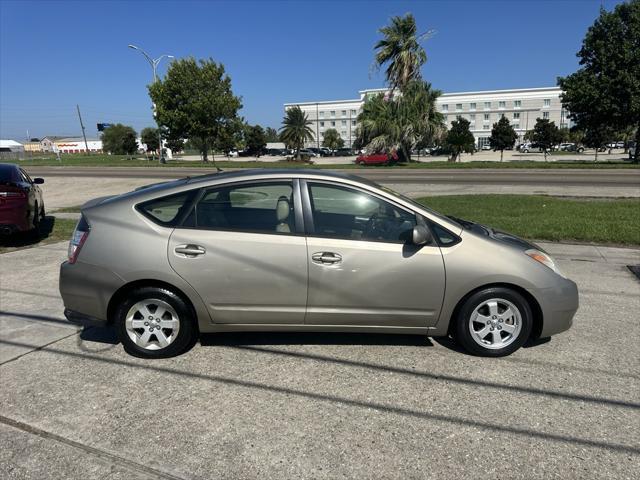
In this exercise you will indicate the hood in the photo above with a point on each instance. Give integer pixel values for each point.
(497, 235)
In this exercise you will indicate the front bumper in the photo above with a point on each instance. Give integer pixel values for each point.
(559, 304)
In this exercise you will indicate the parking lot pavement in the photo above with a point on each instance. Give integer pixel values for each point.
(74, 405)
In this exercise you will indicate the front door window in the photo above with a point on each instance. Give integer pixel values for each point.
(342, 212)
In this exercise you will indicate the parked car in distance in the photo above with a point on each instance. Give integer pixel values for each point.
(570, 147)
(276, 152)
(317, 152)
(307, 152)
(377, 158)
(486, 146)
(529, 147)
(21, 202)
(343, 152)
(326, 152)
(302, 250)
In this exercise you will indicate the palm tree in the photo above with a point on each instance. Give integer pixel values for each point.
(400, 123)
(400, 49)
(295, 130)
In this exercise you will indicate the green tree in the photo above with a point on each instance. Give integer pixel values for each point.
(401, 52)
(460, 139)
(271, 135)
(401, 122)
(255, 139)
(119, 139)
(545, 135)
(295, 130)
(195, 101)
(175, 144)
(606, 89)
(332, 139)
(149, 137)
(502, 136)
(596, 137)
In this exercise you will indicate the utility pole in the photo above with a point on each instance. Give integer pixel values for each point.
(154, 66)
(86, 145)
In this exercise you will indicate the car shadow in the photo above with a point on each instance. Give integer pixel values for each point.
(27, 239)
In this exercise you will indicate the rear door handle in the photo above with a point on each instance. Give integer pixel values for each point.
(325, 258)
(189, 251)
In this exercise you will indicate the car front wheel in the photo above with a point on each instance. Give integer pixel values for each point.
(494, 322)
(155, 323)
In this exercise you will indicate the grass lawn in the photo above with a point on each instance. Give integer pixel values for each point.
(123, 161)
(51, 230)
(615, 221)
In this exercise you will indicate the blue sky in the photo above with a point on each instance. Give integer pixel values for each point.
(56, 54)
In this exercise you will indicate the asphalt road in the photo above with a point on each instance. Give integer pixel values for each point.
(74, 405)
(557, 177)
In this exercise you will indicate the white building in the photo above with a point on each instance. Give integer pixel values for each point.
(482, 108)
(77, 145)
(11, 146)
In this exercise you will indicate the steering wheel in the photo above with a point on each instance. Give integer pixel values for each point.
(376, 227)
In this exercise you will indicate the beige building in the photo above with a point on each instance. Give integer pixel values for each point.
(482, 108)
(32, 147)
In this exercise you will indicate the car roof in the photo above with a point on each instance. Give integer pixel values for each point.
(277, 172)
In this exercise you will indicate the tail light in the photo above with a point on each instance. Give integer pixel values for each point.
(13, 194)
(78, 238)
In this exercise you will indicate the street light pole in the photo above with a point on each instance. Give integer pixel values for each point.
(154, 66)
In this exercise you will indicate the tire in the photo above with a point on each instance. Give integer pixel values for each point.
(489, 308)
(168, 335)
(36, 219)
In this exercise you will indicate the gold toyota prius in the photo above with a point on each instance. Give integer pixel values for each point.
(301, 250)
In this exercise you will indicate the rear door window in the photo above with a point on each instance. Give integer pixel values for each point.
(265, 207)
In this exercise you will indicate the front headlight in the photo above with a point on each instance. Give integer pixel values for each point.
(544, 259)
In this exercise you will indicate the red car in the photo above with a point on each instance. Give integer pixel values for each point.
(21, 204)
(377, 159)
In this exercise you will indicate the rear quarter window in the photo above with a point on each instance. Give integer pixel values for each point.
(167, 211)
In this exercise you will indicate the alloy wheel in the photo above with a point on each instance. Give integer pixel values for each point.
(152, 324)
(495, 323)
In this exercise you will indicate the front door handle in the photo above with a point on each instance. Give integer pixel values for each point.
(326, 258)
(190, 251)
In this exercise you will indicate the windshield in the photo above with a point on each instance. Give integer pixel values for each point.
(420, 205)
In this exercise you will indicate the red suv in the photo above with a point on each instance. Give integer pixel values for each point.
(377, 159)
(21, 204)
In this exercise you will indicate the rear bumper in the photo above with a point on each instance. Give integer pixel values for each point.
(84, 320)
(8, 229)
(87, 289)
(14, 217)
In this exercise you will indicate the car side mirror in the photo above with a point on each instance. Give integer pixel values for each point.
(421, 235)
(38, 181)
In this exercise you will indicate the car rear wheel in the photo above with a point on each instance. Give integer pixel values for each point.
(493, 322)
(155, 323)
(36, 219)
